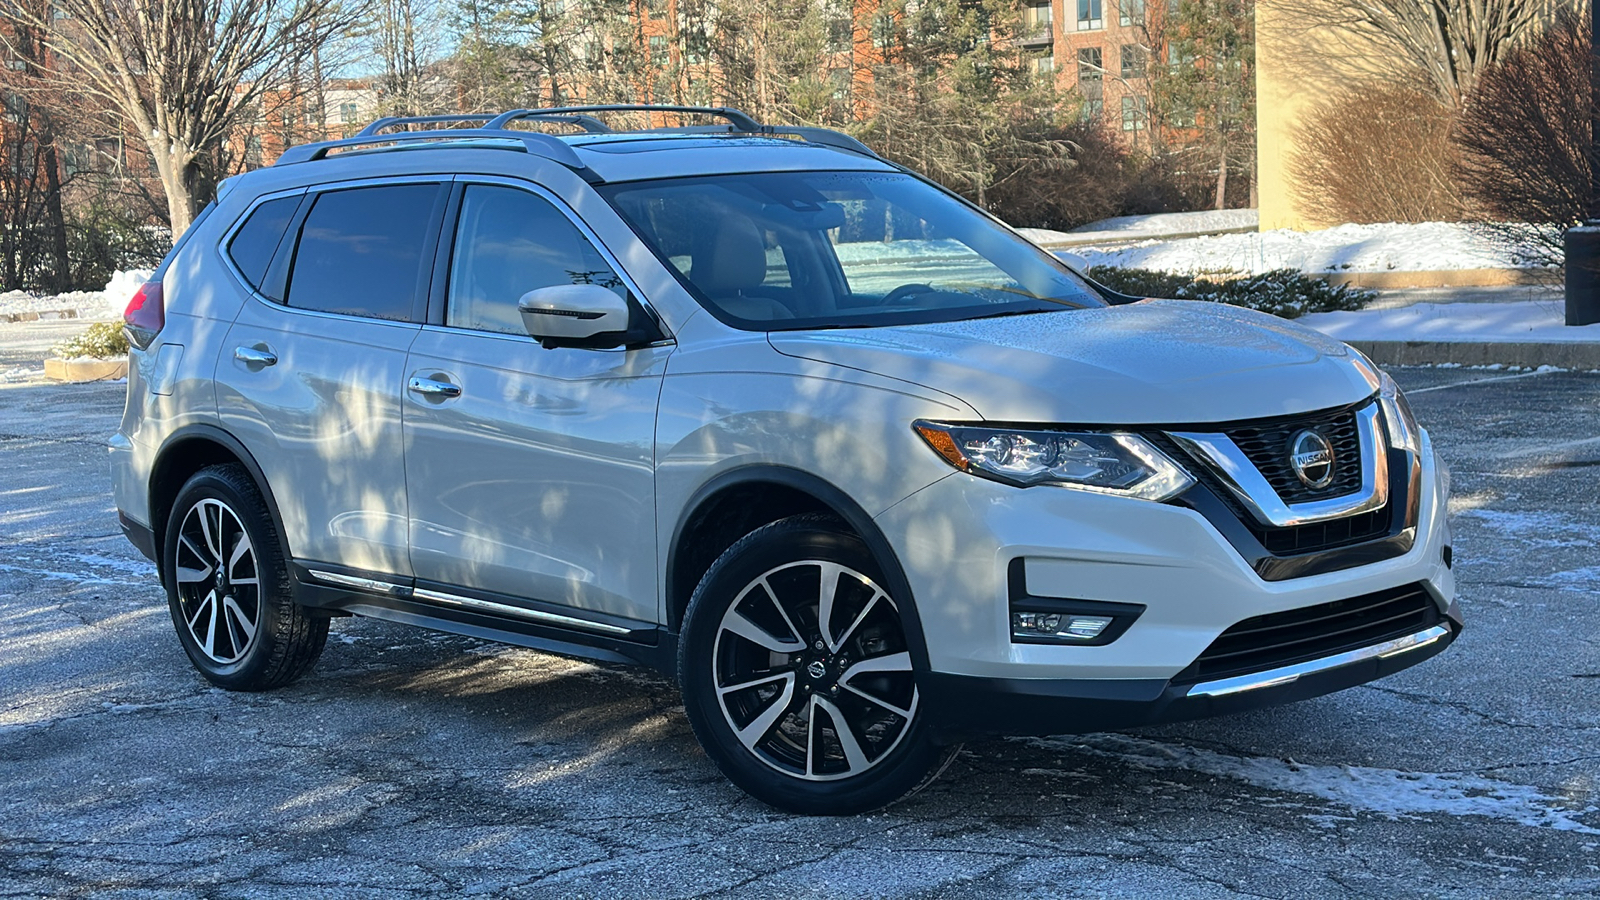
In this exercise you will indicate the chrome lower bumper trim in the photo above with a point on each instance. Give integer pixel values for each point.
(1291, 674)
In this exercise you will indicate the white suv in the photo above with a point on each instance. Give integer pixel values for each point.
(861, 468)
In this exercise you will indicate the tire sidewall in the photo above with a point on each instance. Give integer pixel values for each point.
(215, 484)
(791, 540)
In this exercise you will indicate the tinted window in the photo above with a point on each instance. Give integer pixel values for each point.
(840, 250)
(510, 242)
(361, 251)
(257, 239)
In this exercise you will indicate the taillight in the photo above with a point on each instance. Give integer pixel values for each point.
(145, 315)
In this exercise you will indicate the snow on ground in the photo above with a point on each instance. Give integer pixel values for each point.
(1425, 247)
(1390, 793)
(1123, 228)
(1531, 321)
(102, 304)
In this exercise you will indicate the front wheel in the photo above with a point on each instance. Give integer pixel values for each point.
(797, 674)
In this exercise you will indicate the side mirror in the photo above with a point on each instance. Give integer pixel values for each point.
(575, 315)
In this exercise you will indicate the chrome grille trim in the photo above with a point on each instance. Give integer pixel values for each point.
(1223, 457)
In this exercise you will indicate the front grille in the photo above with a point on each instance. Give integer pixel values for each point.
(1298, 635)
(1295, 539)
(1267, 446)
(1356, 529)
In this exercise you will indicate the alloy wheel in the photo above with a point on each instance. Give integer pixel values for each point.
(812, 672)
(218, 581)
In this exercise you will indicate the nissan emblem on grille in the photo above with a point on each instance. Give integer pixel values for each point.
(1311, 457)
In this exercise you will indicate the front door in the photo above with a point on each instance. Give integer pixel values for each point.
(530, 472)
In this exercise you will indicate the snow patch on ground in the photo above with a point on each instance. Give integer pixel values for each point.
(1168, 223)
(1537, 529)
(101, 304)
(1425, 247)
(1391, 793)
(1583, 581)
(1532, 321)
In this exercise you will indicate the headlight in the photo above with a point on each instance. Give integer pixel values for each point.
(1401, 424)
(1104, 462)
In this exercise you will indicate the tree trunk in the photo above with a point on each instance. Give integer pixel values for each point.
(55, 219)
(1222, 179)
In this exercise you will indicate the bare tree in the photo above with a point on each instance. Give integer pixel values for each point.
(1524, 136)
(1377, 153)
(180, 74)
(1445, 44)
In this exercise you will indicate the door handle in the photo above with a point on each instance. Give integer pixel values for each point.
(255, 356)
(429, 387)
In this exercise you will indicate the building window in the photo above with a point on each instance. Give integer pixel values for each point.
(658, 49)
(1091, 15)
(1133, 114)
(1091, 72)
(1036, 16)
(656, 7)
(696, 45)
(1133, 61)
(840, 79)
(108, 151)
(883, 31)
(1182, 116)
(1044, 62)
(1131, 12)
(841, 34)
(252, 152)
(347, 113)
(1092, 110)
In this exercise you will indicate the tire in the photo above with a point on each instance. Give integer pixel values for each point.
(237, 621)
(810, 717)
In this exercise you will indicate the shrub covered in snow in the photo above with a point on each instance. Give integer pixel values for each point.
(1282, 292)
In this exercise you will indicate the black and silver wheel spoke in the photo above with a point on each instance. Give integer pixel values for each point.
(811, 671)
(218, 583)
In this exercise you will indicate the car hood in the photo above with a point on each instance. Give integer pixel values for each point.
(1164, 362)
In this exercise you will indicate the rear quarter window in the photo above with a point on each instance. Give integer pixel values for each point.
(256, 241)
(362, 251)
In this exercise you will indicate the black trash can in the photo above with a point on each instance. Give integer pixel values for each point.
(1583, 274)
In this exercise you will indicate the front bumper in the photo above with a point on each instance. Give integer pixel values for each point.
(958, 540)
(966, 706)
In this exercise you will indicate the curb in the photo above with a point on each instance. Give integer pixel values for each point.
(79, 371)
(1564, 355)
(1438, 278)
(44, 315)
(1115, 238)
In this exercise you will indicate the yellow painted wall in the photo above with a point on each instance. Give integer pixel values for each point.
(1295, 70)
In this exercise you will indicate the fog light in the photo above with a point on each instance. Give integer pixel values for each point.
(1059, 626)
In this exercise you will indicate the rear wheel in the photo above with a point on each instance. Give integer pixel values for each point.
(797, 674)
(228, 586)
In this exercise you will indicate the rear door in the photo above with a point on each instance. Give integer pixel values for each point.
(530, 470)
(313, 369)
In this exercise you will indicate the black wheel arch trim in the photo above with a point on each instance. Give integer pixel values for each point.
(216, 435)
(841, 504)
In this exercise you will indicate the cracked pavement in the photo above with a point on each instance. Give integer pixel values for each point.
(412, 763)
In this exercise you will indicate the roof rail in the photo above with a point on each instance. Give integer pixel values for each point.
(741, 121)
(551, 147)
(824, 136)
(587, 123)
(536, 143)
(392, 121)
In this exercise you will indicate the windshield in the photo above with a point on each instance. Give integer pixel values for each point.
(791, 250)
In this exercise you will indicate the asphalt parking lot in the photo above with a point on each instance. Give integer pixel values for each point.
(415, 763)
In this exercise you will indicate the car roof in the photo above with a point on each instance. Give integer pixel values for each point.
(599, 154)
(640, 155)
